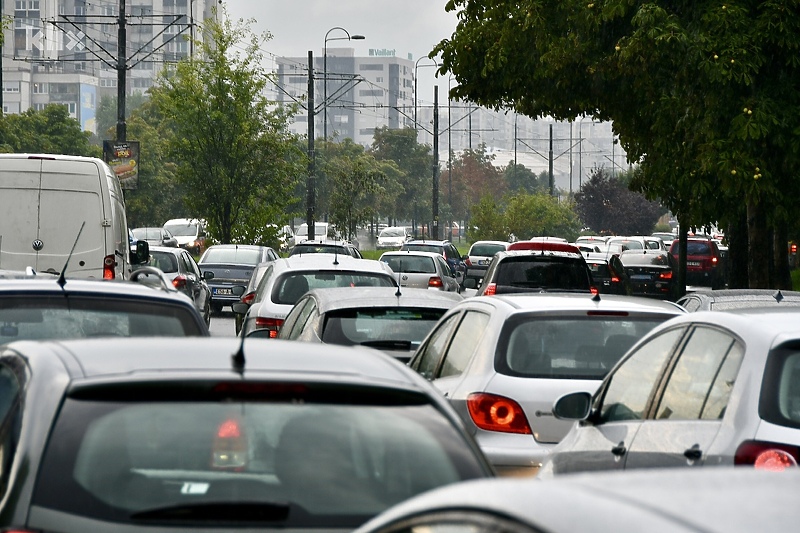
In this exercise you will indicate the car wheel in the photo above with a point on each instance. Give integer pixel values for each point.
(216, 309)
(207, 313)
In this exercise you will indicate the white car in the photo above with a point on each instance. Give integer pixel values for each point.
(287, 279)
(392, 238)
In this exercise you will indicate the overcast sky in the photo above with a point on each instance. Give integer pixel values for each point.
(297, 26)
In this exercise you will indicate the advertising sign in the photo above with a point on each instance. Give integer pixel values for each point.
(123, 158)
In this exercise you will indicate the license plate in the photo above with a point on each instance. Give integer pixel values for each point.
(693, 263)
(483, 261)
(223, 292)
(640, 276)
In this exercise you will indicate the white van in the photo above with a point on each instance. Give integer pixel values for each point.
(320, 232)
(44, 201)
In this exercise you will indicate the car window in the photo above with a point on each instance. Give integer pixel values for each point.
(780, 390)
(428, 359)
(233, 256)
(301, 456)
(294, 284)
(694, 389)
(297, 318)
(392, 327)
(12, 374)
(411, 264)
(465, 340)
(599, 270)
(697, 248)
(192, 264)
(444, 266)
(630, 386)
(485, 250)
(165, 261)
(531, 272)
(689, 303)
(188, 267)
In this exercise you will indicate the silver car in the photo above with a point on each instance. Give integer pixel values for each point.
(503, 360)
(708, 388)
(180, 269)
(422, 270)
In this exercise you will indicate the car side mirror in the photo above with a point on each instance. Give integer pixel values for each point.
(142, 254)
(240, 308)
(573, 406)
(470, 283)
(208, 275)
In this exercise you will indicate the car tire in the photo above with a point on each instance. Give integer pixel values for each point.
(216, 309)
(207, 313)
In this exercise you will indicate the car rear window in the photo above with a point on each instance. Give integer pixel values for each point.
(780, 389)
(486, 250)
(56, 317)
(166, 261)
(646, 259)
(412, 264)
(422, 248)
(232, 256)
(310, 459)
(697, 248)
(318, 249)
(394, 327)
(599, 270)
(542, 272)
(292, 285)
(568, 347)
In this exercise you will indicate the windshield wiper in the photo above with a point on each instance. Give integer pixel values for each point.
(388, 344)
(229, 511)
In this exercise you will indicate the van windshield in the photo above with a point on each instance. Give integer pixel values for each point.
(182, 230)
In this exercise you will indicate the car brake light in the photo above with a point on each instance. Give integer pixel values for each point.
(230, 446)
(594, 290)
(491, 289)
(497, 413)
(179, 282)
(271, 324)
(713, 261)
(766, 455)
(108, 267)
(468, 262)
(665, 275)
(248, 298)
(614, 279)
(435, 282)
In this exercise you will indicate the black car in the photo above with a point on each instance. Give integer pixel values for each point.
(41, 307)
(179, 267)
(188, 435)
(232, 266)
(652, 273)
(608, 273)
(537, 271)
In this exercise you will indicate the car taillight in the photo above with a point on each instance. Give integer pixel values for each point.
(766, 455)
(594, 290)
(714, 261)
(108, 267)
(248, 298)
(229, 451)
(271, 324)
(491, 289)
(468, 262)
(614, 279)
(497, 413)
(435, 282)
(665, 275)
(179, 281)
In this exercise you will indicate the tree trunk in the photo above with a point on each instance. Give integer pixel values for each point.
(683, 234)
(780, 254)
(759, 250)
(736, 235)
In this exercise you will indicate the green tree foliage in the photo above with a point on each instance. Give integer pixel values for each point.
(488, 221)
(519, 178)
(414, 174)
(702, 94)
(106, 113)
(537, 215)
(233, 151)
(607, 206)
(49, 131)
(473, 177)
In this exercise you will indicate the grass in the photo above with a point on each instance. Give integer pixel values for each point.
(796, 279)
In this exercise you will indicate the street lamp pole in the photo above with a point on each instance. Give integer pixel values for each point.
(325, 73)
(416, 79)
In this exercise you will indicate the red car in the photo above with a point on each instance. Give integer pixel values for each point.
(703, 262)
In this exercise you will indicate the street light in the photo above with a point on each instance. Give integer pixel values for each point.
(325, 72)
(416, 79)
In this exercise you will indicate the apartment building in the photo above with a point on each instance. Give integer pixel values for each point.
(65, 51)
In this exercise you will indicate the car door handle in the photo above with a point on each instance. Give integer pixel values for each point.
(694, 453)
(619, 450)
(446, 394)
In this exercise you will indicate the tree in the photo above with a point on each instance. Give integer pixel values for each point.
(49, 131)
(519, 178)
(106, 114)
(473, 177)
(607, 206)
(702, 94)
(233, 150)
(355, 183)
(488, 221)
(537, 215)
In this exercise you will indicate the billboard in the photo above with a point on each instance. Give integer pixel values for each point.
(123, 158)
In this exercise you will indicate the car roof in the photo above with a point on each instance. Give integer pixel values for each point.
(172, 357)
(89, 287)
(329, 262)
(679, 500)
(169, 249)
(598, 256)
(504, 243)
(365, 297)
(560, 302)
(419, 253)
(538, 253)
(745, 295)
(429, 242)
(236, 246)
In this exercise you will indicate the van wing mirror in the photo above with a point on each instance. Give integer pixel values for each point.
(142, 253)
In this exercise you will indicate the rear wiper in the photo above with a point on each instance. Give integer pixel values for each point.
(233, 511)
(388, 344)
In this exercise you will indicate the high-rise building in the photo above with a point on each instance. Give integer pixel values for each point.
(65, 51)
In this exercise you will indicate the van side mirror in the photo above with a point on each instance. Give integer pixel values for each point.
(142, 254)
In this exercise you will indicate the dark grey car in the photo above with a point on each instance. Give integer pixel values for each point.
(232, 266)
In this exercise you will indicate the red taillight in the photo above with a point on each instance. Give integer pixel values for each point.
(230, 446)
(248, 298)
(435, 282)
(271, 324)
(594, 290)
(794, 248)
(766, 455)
(108, 267)
(713, 261)
(179, 281)
(491, 289)
(468, 262)
(665, 275)
(497, 413)
(614, 279)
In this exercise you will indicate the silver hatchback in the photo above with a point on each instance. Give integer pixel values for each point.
(503, 360)
(422, 270)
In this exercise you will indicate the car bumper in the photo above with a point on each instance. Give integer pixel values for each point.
(516, 455)
(226, 294)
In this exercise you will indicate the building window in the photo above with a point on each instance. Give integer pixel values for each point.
(40, 88)
(366, 131)
(379, 79)
(11, 87)
(39, 107)
(371, 66)
(371, 92)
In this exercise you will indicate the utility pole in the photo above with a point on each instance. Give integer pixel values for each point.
(122, 69)
(310, 181)
(436, 162)
(552, 180)
(450, 165)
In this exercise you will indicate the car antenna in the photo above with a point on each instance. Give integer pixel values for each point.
(62, 280)
(398, 293)
(778, 296)
(596, 297)
(237, 359)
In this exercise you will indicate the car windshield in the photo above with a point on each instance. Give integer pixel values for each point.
(293, 456)
(165, 261)
(393, 232)
(182, 230)
(486, 250)
(232, 256)
(367, 325)
(57, 317)
(291, 286)
(412, 264)
(568, 347)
